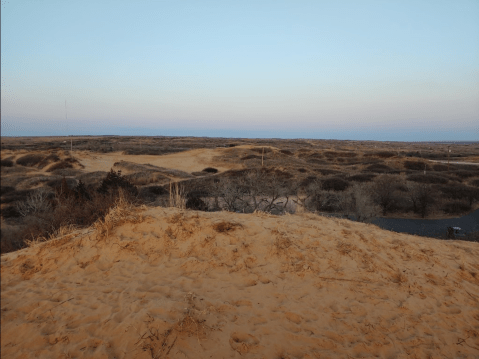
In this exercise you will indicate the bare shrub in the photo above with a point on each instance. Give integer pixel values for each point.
(262, 189)
(416, 165)
(10, 212)
(422, 197)
(225, 226)
(210, 170)
(15, 195)
(335, 184)
(471, 237)
(362, 177)
(326, 171)
(380, 154)
(440, 168)
(356, 202)
(462, 174)
(47, 160)
(384, 192)
(6, 163)
(59, 166)
(30, 160)
(458, 192)
(145, 177)
(427, 178)
(6, 189)
(378, 168)
(475, 183)
(456, 207)
(37, 202)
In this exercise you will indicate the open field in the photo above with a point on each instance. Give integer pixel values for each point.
(131, 248)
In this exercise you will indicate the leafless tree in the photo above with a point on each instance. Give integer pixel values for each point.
(421, 196)
(37, 202)
(384, 192)
(356, 201)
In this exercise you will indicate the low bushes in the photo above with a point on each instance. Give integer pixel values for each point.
(380, 154)
(456, 207)
(427, 178)
(30, 160)
(210, 170)
(362, 177)
(6, 189)
(378, 168)
(6, 163)
(416, 165)
(335, 184)
(59, 166)
(45, 213)
(440, 168)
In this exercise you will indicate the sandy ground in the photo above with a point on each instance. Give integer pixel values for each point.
(185, 284)
(188, 161)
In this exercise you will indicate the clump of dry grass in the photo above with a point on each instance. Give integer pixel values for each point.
(177, 198)
(122, 212)
(225, 226)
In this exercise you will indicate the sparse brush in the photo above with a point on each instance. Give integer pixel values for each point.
(225, 226)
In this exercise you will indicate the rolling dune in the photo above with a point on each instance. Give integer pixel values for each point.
(166, 283)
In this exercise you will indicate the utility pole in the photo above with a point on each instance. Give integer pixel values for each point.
(448, 151)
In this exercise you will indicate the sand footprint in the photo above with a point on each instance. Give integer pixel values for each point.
(243, 342)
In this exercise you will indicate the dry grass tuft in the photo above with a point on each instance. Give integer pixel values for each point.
(123, 211)
(225, 226)
(399, 278)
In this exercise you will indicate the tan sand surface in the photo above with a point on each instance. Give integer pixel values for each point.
(185, 284)
(188, 161)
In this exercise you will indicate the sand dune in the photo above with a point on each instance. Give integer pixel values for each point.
(188, 161)
(185, 284)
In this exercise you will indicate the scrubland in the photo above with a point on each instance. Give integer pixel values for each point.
(196, 247)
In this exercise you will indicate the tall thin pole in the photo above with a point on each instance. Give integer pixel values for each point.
(448, 151)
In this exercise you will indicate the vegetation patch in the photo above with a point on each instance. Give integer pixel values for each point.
(427, 178)
(362, 177)
(335, 184)
(210, 170)
(30, 160)
(225, 226)
(378, 168)
(6, 163)
(59, 166)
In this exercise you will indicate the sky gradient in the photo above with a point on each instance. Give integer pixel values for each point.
(360, 70)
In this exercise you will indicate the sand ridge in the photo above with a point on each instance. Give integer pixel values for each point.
(188, 161)
(186, 284)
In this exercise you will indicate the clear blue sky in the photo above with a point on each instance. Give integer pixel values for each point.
(378, 70)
